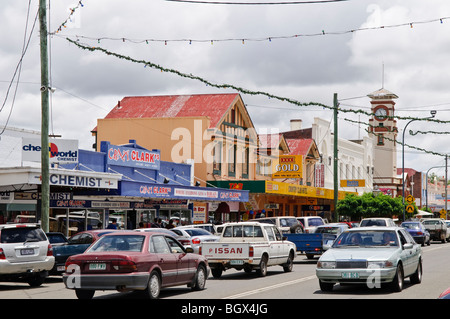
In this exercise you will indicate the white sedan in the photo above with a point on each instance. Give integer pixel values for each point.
(197, 236)
(371, 256)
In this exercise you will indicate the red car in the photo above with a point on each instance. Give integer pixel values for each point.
(133, 260)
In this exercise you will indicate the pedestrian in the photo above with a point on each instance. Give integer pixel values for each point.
(170, 225)
(113, 224)
(155, 223)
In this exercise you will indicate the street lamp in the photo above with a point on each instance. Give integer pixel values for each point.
(433, 113)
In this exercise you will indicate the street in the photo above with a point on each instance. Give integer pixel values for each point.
(301, 283)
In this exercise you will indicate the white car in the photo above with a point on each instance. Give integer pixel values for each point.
(377, 221)
(310, 223)
(25, 253)
(372, 256)
(197, 236)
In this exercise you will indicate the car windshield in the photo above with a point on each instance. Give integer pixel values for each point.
(373, 222)
(327, 230)
(367, 238)
(315, 221)
(288, 222)
(119, 243)
(21, 235)
(411, 225)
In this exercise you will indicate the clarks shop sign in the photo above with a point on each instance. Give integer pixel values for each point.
(131, 157)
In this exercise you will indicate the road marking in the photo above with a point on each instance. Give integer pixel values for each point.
(252, 292)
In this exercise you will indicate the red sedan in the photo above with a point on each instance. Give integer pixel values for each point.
(132, 260)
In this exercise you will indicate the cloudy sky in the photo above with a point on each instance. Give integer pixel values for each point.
(305, 52)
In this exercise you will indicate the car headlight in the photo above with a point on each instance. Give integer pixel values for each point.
(326, 264)
(380, 264)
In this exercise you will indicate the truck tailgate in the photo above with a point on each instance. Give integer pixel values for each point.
(223, 251)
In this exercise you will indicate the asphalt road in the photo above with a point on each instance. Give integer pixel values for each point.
(301, 283)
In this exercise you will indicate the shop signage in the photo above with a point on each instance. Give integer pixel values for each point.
(60, 151)
(77, 180)
(129, 188)
(288, 166)
(131, 157)
(315, 208)
(353, 183)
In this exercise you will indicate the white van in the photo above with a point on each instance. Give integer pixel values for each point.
(310, 223)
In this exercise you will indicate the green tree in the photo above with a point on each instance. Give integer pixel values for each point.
(356, 207)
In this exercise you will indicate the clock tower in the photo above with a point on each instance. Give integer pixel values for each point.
(383, 128)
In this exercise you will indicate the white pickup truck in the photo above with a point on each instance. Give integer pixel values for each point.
(248, 246)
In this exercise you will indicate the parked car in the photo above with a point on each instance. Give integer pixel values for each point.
(310, 223)
(418, 232)
(447, 222)
(371, 256)
(57, 238)
(286, 224)
(145, 261)
(76, 244)
(25, 254)
(197, 236)
(377, 221)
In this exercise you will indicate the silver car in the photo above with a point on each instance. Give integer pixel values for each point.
(371, 256)
(25, 254)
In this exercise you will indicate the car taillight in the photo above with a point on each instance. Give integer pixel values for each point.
(250, 251)
(123, 265)
(2, 254)
(70, 262)
(196, 241)
(184, 242)
(419, 233)
(49, 250)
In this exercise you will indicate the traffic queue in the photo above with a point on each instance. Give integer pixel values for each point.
(374, 253)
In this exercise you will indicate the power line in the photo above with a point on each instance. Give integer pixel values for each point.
(255, 3)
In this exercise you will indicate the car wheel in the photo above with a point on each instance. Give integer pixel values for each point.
(84, 294)
(397, 283)
(325, 286)
(36, 280)
(416, 278)
(262, 270)
(216, 272)
(287, 267)
(200, 279)
(154, 285)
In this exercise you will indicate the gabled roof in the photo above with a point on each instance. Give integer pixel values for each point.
(214, 106)
(300, 146)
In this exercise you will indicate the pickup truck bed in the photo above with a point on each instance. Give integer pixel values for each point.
(249, 246)
(311, 244)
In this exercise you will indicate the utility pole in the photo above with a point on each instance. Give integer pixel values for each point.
(335, 170)
(446, 186)
(45, 184)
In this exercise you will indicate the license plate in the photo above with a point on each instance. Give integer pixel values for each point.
(236, 262)
(350, 275)
(97, 266)
(28, 251)
(60, 268)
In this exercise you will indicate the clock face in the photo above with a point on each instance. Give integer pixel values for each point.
(381, 113)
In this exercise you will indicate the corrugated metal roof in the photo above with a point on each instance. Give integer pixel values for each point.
(299, 146)
(213, 106)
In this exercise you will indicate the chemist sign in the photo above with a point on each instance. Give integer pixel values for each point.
(60, 151)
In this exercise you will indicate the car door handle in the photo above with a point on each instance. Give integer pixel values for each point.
(161, 260)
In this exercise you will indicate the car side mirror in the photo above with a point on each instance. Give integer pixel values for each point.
(189, 250)
(284, 238)
(408, 246)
